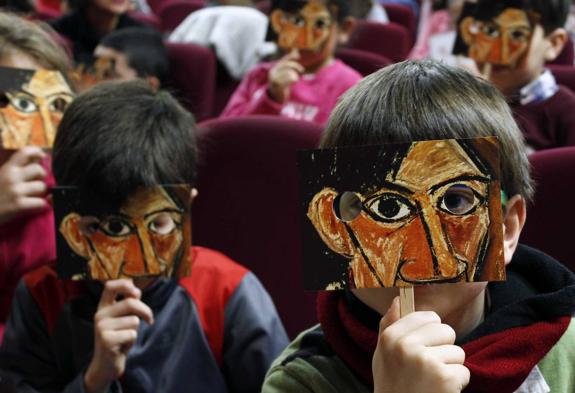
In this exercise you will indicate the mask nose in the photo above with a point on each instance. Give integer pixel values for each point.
(140, 259)
(435, 262)
(496, 53)
(43, 131)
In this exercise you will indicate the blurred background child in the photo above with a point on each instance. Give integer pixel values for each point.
(307, 81)
(26, 219)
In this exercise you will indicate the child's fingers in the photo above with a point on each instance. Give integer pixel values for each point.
(292, 55)
(26, 155)
(113, 338)
(410, 323)
(391, 316)
(120, 323)
(30, 189)
(447, 354)
(125, 307)
(293, 65)
(459, 375)
(29, 203)
(32, 172)
(113, 288)
(433, 334)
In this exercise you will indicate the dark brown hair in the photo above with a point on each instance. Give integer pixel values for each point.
(415, 101)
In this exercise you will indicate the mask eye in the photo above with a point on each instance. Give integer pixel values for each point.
(58, 104)
(88, 225)
(24, 104)
(297, 20)
(115, 227)
(390, 208)
(321, 23)
(520, 35)
(459, 200)
(490, 30)
(162, 224)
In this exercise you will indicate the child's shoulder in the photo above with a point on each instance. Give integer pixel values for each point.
(309, 365)
(206, 261)
(213, 274)
(557, 366)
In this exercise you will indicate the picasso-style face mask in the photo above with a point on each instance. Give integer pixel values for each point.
(32, 105)
(309, 29)
(501, 40)
(420, 213)
(149, 235)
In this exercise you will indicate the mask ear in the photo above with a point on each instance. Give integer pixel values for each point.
(276, 20)
(71, 229)
(330, 228)
(465, 28)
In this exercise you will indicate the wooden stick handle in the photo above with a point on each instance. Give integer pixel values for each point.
(406, 301)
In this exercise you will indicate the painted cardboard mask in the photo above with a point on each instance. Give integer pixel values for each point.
(402, 214)
(496, 34)
(84, 77)
(307, 29)
(148, 235)
(32, 105)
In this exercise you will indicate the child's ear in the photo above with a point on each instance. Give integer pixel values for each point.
(72, 232)
(515, 215)
(345, 30)
(330, 228)
(154, 82)
(556, 40)
(276, 20)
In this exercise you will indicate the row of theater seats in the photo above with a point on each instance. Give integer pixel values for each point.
(204, 87)
(201, 84)
(248, 204)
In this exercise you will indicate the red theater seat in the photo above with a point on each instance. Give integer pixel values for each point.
(363, 62)
(404, 16)
(150, 20)
(564, 74)
(390, 39)
(173, 12)
(550, 219)
(248, 207)
(193, 77)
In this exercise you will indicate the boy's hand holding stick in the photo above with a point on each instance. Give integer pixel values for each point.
(416, 353)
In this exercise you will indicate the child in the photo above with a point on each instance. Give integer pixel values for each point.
(136, 53)
(89, 21)
(26, 176)
(532, 31)
(491, 337)
(216, 330)
(306, 83)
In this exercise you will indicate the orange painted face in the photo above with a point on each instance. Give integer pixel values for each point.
(429, 223)
(31, 115)
(309, 29)
(146, 237)
(503, 41)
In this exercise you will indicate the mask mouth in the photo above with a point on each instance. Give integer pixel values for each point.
(461, 275)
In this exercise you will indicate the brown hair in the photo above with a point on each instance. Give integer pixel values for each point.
(17, 34)
(414, 101)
